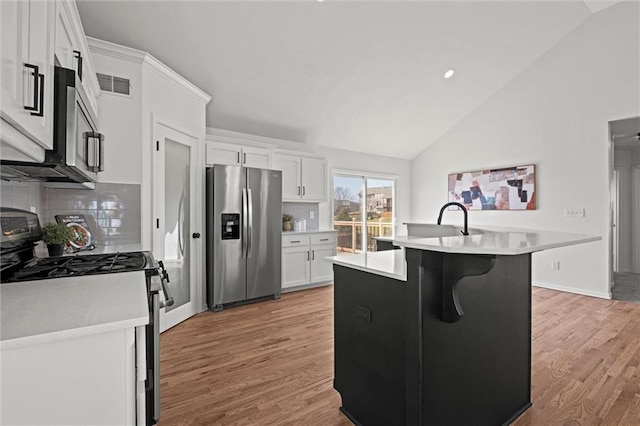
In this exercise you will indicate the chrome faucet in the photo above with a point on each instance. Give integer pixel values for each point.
(465, 231)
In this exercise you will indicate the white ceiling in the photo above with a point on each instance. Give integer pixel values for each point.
(361, 76)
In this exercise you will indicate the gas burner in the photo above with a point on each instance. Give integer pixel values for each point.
(71, 266)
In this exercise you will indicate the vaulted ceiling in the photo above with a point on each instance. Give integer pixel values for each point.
(361, 76)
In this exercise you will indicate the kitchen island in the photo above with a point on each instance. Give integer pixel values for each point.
(443, 337)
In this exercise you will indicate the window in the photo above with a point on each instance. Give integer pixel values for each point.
(363, 209)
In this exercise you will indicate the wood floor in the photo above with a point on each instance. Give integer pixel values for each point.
(271, 363)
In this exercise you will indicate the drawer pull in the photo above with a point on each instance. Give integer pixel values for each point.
(297, 241)
(324, 239)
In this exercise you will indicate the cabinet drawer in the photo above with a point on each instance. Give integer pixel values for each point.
(295, 240)
(328, 238)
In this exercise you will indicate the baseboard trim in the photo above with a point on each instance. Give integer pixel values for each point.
(590, 293)
(306, 286)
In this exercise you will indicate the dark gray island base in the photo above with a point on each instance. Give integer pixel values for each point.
(450, 346)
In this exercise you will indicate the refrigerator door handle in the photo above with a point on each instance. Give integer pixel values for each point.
(250, 228)
(245, 223)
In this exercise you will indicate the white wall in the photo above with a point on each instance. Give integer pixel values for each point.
(119, 118)
(555, 115)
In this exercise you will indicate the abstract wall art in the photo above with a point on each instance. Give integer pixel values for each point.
(509, 188)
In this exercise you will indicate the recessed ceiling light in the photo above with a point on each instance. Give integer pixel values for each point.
(449, 73)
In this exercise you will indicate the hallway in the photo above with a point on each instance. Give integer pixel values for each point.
(627, 287)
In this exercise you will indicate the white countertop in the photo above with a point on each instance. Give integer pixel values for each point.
(389, 263)
(484, 240)
(39, 311)
(308, 231)
(496, 240)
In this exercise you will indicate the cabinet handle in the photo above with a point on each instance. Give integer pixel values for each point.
(238, 160)
(307, 256)
(313, 255)
(244, 158)
(298, 190)
(98, 151)
(324, 239)
(295, 241)
(78, 54)
(38, 91)
(40, 113)
(303, 190)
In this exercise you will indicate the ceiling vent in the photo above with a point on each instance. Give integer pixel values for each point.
(113, 84)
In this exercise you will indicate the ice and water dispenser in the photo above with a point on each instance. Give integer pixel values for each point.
(230, 224)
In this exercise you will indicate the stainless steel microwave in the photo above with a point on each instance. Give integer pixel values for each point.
(78, 148)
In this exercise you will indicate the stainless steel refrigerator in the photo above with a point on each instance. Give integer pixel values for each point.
(244, 235)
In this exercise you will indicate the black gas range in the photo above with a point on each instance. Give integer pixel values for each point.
(18, 263)
(83, 264)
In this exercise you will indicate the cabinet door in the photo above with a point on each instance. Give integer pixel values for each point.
(71, 381)
(223, 154)
(291, 182)
(41, 37)
(321, 270)
(256, 157)
(64, 44)
(27, 38)
(314, 179)
(71, 50)
(295, 266)
(15, 52)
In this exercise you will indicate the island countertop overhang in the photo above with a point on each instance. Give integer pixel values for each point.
(484, 240)
(496, 240)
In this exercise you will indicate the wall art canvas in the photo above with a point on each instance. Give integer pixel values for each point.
(510, 188)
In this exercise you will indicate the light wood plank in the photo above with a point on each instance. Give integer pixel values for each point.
(271, 363)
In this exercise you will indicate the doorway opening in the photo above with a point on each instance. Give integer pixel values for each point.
(625, 209)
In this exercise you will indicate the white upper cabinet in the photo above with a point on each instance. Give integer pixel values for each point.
(291, 177)
(71, 49)
(237, 155)
(34, 34)
(303, 178)
(27, 78)
(314, 179)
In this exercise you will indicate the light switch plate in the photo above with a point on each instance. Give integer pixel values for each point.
(312, 215)
(574, 213)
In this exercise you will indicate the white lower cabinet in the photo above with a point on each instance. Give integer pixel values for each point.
(303, 261)
(76, 381)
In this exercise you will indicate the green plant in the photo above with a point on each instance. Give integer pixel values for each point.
(287, 217)
(56, 233)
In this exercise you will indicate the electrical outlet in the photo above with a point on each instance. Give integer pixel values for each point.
(363, 313)
(555, 265)
(311, 214)
(574, 213)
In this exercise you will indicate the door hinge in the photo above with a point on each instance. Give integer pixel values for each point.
(157, 145)
(158, 223)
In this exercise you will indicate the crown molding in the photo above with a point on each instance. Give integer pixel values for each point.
(145, 59)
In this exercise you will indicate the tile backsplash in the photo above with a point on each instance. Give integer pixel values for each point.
(20, 195)
(303, 211)
(112, 210)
